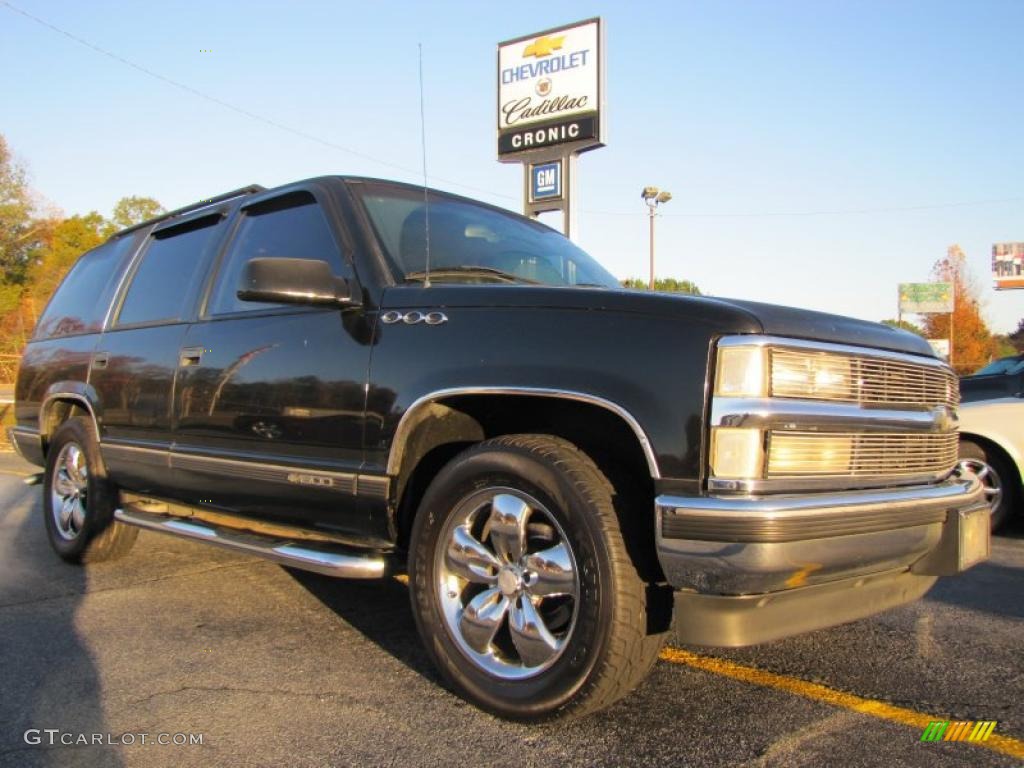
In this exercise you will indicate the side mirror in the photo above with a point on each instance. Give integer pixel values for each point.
(294, 281)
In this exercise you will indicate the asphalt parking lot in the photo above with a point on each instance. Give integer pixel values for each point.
(278, 667)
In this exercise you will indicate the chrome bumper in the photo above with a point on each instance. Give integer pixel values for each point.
(763, 565)
(750, 545)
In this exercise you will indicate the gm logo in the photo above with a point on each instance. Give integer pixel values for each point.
(546, 181)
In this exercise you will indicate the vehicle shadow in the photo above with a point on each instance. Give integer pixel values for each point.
(48, 676)
(987, 587)
(380, 610)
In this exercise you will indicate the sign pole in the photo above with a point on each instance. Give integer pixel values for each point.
(570, 220)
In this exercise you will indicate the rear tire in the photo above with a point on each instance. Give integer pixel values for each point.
(998, 476)
(519, 534)
(79, 500)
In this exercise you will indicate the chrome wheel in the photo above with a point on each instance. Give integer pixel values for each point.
(508, 583)
(990, 482)
(69, 491)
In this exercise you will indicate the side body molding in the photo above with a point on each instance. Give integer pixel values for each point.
(408, 418)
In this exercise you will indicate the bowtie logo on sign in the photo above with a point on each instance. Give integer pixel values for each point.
(543, 46)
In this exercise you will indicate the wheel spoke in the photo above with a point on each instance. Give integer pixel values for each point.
(982, 473)
(73, 465)
(77, 513)
(62, 483)
(551, 572)
(481, 619)
(66, 511)
(529, 634)
(469, 559)
(507, 526)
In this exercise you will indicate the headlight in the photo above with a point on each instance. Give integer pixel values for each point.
(818, 454)
(737, 452)
(811, 375)
(741, 372)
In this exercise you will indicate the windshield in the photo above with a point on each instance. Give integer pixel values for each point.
(473, 243)
(1007, 365)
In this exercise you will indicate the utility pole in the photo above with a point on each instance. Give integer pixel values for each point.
(653, 197)
(951, 315)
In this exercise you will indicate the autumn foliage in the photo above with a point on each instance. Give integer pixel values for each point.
(38, 245)
(973, 343)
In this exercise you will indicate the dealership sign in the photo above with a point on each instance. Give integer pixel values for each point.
(1008, 265)
(926, 298)
(550, 90)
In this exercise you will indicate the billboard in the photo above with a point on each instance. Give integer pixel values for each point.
(1008, 265)
(551, 89)
(926, 298)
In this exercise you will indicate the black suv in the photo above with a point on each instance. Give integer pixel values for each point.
(361, 378)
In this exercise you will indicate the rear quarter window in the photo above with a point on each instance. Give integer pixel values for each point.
(81, 300)
(161, 290)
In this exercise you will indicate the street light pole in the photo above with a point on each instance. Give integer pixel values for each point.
(650, 217)
(653, 197)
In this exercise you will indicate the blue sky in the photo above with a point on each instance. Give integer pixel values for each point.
(762, 118)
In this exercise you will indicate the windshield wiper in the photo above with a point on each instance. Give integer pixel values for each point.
(470, 271)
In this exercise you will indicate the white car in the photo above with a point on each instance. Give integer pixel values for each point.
(992, 445)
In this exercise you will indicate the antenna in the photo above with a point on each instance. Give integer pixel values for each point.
(426, 199)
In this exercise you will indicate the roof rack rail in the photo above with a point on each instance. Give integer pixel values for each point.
(249, 190)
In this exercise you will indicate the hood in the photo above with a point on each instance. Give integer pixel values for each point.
(722, 316)
(821, 326)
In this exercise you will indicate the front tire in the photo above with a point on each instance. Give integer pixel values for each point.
(79, 500)
(521, 584)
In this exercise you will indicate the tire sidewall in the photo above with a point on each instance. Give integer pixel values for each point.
(543, 694)
(99, 501)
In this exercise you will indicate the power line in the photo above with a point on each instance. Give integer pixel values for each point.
(835, 212)
(415, 172)
(235, 108)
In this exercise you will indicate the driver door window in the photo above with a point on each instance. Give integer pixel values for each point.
(290, 226)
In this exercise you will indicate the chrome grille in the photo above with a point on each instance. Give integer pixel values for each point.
(859, 454)
(873, 381)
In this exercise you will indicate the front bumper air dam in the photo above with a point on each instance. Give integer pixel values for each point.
(748, 570)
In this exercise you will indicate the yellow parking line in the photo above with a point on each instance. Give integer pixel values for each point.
(996, 742)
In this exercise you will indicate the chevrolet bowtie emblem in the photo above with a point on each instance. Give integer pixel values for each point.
(543, 46)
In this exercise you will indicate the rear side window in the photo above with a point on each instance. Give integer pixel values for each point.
(290, 226)
(164, 282)
(80, 302)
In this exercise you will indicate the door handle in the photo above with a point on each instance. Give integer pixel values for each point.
(100, 359)
(190, 356)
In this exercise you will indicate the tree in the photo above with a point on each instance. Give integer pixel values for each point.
(973, 345)
(18, 232)
(66, 240)
(134, 210)
(666, 284)
(1017, 337)
(1004, 347)
(906, 325)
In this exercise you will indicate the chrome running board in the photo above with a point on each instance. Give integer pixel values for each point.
(327, 559)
